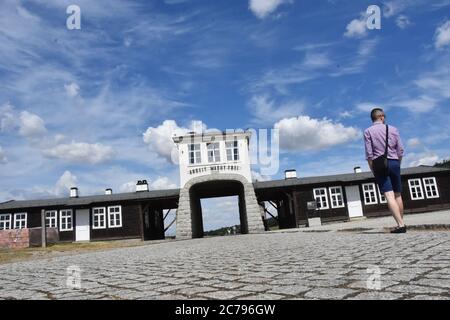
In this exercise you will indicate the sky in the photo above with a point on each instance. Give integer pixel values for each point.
(96, 107)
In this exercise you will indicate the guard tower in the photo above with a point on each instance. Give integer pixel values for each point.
(215, 164)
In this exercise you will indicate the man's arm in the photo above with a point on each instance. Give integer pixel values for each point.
(368, 148)
(369, 162)
(400, 149)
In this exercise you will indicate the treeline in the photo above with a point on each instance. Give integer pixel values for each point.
(271, 222)
(443, 164)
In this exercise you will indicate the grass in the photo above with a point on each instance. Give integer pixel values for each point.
(15, 255)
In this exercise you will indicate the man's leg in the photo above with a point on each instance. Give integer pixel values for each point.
(394, 208)
(398, 198)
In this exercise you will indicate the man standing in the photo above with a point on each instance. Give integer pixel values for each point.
(389, 182)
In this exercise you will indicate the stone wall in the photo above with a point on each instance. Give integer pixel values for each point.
(15, 238)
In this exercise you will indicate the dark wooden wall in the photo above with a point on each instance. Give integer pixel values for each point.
(131, 223)
(304, 194)
(414, 206)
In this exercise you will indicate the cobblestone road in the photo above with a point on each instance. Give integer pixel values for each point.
(291, 265)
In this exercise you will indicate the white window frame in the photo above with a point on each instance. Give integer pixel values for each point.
(334, 196)
(417, 187)
(321, 197)
(195, 153)
(4, 221)
(98, 214)
(51, 221)
(381, 197)
(63, 216)
(114, 225)
(374, 191)
(434, 183)
(22, 221)
(213, 149)
(232, 150)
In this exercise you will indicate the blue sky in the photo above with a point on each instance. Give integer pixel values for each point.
(96, 107)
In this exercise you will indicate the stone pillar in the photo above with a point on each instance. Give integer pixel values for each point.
(184, 221)
(254, 220)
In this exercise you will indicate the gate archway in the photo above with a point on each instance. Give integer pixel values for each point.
(189, 215)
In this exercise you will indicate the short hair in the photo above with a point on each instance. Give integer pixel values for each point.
(376, 113)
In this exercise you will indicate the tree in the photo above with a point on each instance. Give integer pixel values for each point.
(443, 164)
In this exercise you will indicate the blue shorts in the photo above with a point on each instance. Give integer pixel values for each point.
(392, 181)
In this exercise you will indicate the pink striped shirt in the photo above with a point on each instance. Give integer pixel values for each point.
(375, 142)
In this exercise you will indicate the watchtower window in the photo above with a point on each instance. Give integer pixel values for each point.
(232, 151)
(213, 152)
(195, 153)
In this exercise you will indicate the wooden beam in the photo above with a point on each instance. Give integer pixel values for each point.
(167, 213)
(175, 219)
(141, 222)
(271, 203)
(43, 230)
(296, 208)
(276, 218)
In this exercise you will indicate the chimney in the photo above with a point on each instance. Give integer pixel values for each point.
(290, 174)
(108, 191)
(142, 185)
(357, 169)
(74, 192)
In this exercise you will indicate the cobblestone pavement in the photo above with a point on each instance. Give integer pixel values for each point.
(291, 265)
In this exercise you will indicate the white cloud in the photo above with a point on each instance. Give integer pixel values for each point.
(64, 183)
(313, 46)
(80, 152)
(413, 142)
(257, 176)
(316, 60)
(31, 125)
(357, 28)
(426, 158)
(2, 156)
(392, 8)
(59, 138)
(437, 84)
(162, 183)
(346, 114)
(368, 106)
(159, 139)
(7, 118)
(358, 62)
(72, 89)
(304, 133)
(442, 36)
(170, 2)
(314, 66)
(261, 106)
(128, 187)
(262, 8)
(402, 21)
(420, 104)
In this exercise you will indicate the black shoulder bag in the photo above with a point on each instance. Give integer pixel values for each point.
(381, 165)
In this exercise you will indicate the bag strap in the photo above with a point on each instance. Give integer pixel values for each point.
(387, 137)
